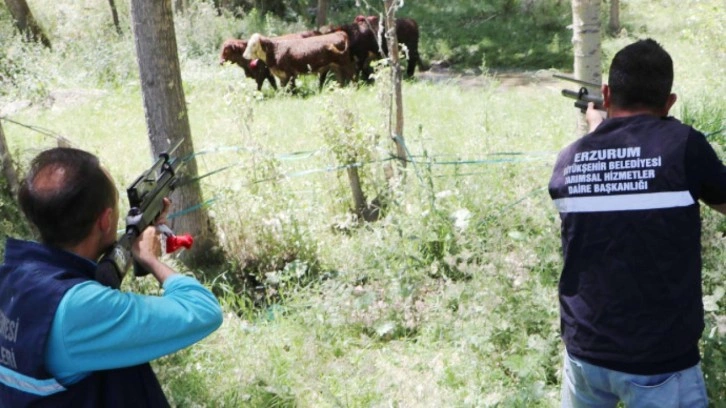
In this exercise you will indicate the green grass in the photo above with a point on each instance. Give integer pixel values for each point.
(450, 299)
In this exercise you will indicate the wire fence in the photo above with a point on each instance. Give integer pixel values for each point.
(416, 161)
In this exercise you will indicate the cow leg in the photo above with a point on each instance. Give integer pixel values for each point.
(271, 79)
(413, 60)
(284, 81)
(364, 69)
(289, 84)
(347, 72)
(323, 77)
(260, 79)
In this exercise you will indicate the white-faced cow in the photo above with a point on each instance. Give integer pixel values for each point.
(289, 57)
(233, 50)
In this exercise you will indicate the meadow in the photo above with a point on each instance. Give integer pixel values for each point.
(450, 299)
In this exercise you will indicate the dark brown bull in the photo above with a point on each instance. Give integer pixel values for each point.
(407, 33)
(363, 46)
(288, 58)
(233, 50)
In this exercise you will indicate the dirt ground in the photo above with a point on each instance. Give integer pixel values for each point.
(504, 79)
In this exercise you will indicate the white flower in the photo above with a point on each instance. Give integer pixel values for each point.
(461, 218)
(444, 194)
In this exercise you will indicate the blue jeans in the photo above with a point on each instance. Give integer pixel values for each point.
(587, 385)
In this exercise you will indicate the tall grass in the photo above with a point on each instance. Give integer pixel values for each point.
(449, 299)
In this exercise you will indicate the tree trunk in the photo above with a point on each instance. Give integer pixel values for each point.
(322, 14)
(8, 167)
(614, 23)
(25, 22)
(167, 120)
(586, 47)
(114, 15)
(397, 125)
(359, 199)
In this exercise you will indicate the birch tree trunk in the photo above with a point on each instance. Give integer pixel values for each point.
(586, 47)
(322, 14)
(8, 168)
(26, 23)
(396, 124)
(167, 120)
(614, 22)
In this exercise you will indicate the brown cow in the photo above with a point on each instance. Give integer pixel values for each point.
(288, 58)
(363, 46)
(233, 50)
(407, 33)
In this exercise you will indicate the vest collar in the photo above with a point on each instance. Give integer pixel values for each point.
(18, 252)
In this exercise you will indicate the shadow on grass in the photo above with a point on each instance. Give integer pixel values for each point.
(480, 35)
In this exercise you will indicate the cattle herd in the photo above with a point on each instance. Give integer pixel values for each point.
(345, 50)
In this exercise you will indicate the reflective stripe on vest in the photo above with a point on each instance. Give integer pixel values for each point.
(28, 384)
(624, 202)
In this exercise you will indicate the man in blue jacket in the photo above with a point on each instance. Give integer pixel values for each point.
(628, 196)
(65, 339)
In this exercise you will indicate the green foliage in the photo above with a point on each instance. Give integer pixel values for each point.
(12, 221)
(201, 32)
(713, 344)
(498, 34)
(20, 75)
(708, 118)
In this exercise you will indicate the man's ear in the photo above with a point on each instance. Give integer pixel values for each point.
(605, 90)
(104, 220)
(669, 103)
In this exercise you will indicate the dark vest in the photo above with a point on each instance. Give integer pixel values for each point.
(33, 280)
(630, 290)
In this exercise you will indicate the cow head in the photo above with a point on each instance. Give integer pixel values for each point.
(231, 50)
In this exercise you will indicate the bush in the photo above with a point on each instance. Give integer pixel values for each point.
(12, 221)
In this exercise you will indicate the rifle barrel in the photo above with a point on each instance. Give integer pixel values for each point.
(582, 97)
(577, 81)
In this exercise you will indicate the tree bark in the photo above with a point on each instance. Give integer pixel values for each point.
(321, 17)
(114, 15)
(614, 23)
(167, 120)
(26, 23)
(393, 50)
(8, 168)
(586, 47)
(359, 199)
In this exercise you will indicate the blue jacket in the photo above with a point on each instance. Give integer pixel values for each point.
(67, 341)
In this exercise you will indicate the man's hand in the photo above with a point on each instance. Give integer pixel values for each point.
(146, 250)
(593, 117)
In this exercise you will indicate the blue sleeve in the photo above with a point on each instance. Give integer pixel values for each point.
(99, 328)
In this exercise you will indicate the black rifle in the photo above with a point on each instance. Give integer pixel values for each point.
(146, 201)
(583, 96)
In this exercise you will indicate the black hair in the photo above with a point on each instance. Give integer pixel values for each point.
(63, 194)
(641, 76)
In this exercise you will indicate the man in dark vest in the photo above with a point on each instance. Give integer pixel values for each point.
(65, 339)
(628, 196)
